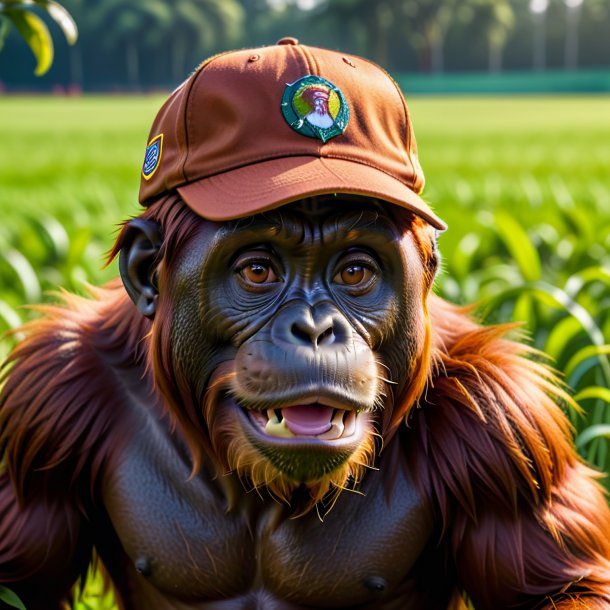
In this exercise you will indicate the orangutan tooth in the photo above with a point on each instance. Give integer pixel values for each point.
(350, 424)
(278, 428)
(336, 427)
(272, 416)
(332, 434)
(338, 416)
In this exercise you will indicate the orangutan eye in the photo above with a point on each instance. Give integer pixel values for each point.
(258, 273)
(359, 272)
(353, 275)
(256, 268)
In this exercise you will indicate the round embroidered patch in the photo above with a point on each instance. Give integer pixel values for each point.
(314, 107)
(152, 157)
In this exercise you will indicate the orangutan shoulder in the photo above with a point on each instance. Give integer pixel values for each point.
(64, 391)
(495, 423)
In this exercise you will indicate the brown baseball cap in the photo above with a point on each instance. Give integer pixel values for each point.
(252, 130)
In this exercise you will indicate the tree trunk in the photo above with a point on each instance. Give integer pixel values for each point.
(438, 60)
(571, 42)
(539, 59)
(424, 56)
(495, 57)
(76, 67)
(383, 22)
(179, 48)
(133, 64)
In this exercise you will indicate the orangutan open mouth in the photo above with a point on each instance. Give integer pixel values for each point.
(306, 421)
(307, 440)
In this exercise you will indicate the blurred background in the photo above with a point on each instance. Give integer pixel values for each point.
(135, 45)
(511, 105)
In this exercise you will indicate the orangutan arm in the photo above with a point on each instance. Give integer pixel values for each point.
(524, 521)
(58, 430)
(43, 548)
(553, 556)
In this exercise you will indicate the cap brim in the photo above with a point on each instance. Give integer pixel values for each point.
(270, 184)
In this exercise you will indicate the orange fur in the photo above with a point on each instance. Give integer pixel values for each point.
(521, 515)
(60, 426)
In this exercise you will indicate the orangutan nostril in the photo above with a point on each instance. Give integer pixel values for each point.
(375, 583)
(310, 335)
(325, 338)
(299, 333)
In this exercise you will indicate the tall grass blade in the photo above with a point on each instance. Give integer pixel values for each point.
(11, 598)
(585, 359)
(519, 246)
(592, 433)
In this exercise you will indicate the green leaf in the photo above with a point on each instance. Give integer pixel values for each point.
(9, 316)
(464, 253)
(53, 234)
(519, 245)
(565, 331)
(25, 274)
(62, 17)
(578, 281)
(591, 433)
(5, 28)
(581, 223)
(596, 392)
(36, 34)
(554, 297)
(78, 244)
(523, 311)
(10, 598)
(584, 359)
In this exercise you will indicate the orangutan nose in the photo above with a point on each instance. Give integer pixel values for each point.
(308, 333)
(306, 327)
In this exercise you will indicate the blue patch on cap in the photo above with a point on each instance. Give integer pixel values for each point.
(152, 158)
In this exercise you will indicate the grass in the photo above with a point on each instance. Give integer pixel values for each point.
(523, 183)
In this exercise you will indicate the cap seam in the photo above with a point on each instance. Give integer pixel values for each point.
(187, 113)
(406, 120)
(300, 54)
(185, 155)
(312, 65)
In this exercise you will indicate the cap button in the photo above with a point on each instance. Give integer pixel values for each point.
(288, 40)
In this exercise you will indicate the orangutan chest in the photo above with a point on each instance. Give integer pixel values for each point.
(184, 545)
(363, 551)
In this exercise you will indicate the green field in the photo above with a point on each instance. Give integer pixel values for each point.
(523, 182)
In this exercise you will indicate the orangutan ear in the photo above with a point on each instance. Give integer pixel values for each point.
(436, 260)
(138, 260)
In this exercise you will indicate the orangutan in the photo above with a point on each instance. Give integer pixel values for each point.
(273, 410)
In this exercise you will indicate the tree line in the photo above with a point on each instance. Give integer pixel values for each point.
(147, 44)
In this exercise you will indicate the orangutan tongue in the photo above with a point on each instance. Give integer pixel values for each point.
(308, 420)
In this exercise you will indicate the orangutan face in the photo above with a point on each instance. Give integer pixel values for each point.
(308, 322)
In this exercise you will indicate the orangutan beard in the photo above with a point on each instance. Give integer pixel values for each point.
(236, 454)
